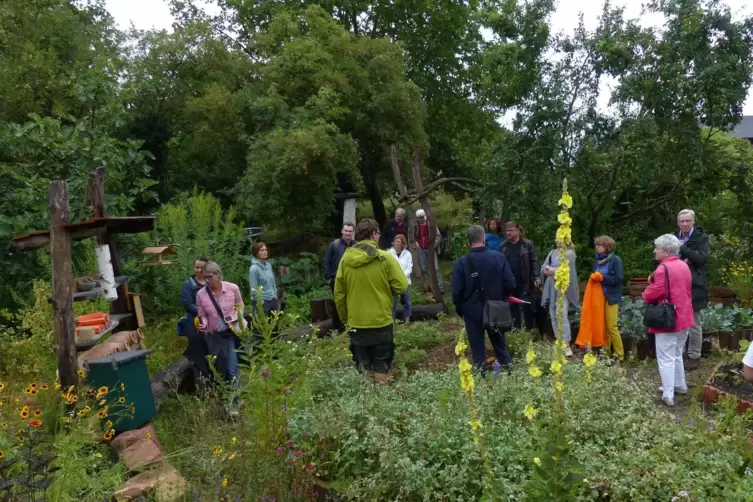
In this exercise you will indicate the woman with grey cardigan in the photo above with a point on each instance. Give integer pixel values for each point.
(549, 295)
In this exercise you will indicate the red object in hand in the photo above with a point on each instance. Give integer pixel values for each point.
(515, 299)
(597, 277)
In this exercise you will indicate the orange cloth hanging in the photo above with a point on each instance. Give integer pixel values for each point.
(593, 317)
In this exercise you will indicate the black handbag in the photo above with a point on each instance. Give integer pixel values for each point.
(661, 315)
(496, 312)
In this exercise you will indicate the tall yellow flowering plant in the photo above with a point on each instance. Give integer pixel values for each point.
(556, 472)
(468, 384)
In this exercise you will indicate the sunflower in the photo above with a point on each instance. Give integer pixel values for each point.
(2, 454)
(109, 434)
(121, 400)
(36, 423)
(82, 373)
(27, 391)
(103, 402)
(38, 413)
(108, 424)
(102, 391)
(34, 392)
(33, 385)
(122, 387)
(44, 386)
(2, 386)
(24, 414)
(102, 413)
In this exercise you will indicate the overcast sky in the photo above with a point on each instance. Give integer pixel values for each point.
(146, 14)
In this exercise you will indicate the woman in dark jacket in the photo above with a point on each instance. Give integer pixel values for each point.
(608, 270)
(197, 350)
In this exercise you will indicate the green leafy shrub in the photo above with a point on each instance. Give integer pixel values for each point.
(370, 447)
(199, 226)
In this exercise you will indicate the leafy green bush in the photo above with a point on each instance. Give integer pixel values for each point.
(199, 226)
(410, 439)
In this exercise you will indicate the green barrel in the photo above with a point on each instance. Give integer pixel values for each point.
(130, 402)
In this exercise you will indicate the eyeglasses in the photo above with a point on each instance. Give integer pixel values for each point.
(210, 276)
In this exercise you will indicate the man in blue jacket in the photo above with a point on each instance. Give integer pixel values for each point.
(496, 282)
(335, 252)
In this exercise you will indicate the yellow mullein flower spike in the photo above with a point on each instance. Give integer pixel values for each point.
(530, 412)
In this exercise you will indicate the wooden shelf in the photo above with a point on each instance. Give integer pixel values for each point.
(115, 321)
(83, 296)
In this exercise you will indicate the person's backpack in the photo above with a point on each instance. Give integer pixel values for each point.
(496, 312)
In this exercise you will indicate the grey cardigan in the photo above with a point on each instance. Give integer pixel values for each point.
(549, 292)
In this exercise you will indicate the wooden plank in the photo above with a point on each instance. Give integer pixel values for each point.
(90, 228)
(63, 323)
(115, 321)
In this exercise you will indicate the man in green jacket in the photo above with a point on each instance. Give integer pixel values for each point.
(367, 279)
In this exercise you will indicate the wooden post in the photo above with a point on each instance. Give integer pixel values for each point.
(424, 199)
(99, 210)
(349, 211)
(63, 324)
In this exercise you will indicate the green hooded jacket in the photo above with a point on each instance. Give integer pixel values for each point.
(367, 279)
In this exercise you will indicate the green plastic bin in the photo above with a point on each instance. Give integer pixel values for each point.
(127, 379)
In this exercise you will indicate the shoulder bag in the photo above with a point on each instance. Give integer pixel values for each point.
(661, 315)
(496, 312)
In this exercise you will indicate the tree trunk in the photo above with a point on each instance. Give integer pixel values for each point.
(372, 190)
(403, 191)
(63, 324)
(431, 257)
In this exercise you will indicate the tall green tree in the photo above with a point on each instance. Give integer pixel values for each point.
(185, 92)
(46, 46)
(326, 85)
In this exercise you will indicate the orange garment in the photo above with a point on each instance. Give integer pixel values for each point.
(592, 316)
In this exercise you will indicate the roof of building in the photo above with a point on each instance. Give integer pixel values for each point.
(744, 129)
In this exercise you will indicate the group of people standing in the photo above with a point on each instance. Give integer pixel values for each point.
(215, 314)
(679, 281)
(369, 271)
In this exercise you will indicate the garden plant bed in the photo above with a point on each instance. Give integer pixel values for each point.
(727, 380)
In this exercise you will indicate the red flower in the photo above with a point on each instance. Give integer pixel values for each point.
(35, 423)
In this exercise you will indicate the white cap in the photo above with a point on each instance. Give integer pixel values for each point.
(420, 213)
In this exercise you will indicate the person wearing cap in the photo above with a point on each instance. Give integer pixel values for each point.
(423, 235)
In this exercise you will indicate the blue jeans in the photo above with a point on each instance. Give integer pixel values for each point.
(405, 299)
(223, 346)
(423, 261)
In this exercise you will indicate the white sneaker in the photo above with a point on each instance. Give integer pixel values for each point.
(568, 352)
(678, 390)
(670, 403)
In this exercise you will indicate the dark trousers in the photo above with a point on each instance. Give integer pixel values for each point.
(527, 313)
(337, 324)
(197, 352)
(475, 331)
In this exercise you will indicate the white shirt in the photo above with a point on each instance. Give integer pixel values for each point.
(405, 260)
(748, 359)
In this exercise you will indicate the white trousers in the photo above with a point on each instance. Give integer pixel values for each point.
(669, 348)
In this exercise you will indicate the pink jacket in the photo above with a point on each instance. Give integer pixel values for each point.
(680, 282)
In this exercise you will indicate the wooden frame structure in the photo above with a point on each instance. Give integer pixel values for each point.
(59, 236)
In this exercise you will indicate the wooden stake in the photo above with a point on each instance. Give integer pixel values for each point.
(63, 324)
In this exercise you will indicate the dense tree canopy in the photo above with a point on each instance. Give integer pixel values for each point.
(281, 107)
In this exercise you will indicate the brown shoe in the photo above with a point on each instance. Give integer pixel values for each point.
(692, 364)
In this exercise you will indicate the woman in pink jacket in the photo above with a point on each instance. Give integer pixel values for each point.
(670, 344)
